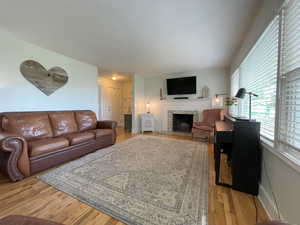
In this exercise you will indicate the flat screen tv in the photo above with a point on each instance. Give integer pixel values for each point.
(181, 86)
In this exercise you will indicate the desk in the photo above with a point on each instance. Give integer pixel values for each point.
(240, 140)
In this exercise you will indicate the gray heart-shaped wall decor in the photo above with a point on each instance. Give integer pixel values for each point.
(48, 81)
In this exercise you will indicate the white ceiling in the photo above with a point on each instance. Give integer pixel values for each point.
(119, 77)
(143, 36)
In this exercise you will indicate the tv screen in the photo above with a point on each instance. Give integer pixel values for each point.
(181, 86)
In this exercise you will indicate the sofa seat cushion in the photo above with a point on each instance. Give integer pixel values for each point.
(204, 128)
(43, 146)
(102, 132)
(78, 138)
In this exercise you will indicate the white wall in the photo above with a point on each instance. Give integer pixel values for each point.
(216, 79)
(17, 94)
(139, 101)
(281, 178)
(278, 175)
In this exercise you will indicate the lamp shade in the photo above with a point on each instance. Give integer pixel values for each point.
(241, 93)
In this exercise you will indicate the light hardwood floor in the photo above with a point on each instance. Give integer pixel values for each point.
(33, 197)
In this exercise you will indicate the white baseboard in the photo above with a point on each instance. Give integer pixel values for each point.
(268, 203)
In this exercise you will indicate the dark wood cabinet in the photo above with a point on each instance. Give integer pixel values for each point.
(128, 122)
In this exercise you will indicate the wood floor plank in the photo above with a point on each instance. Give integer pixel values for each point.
(33, 197)
(227, 209)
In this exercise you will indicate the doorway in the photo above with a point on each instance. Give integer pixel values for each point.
(116, 99)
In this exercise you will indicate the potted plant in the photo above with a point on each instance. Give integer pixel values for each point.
(230, 101)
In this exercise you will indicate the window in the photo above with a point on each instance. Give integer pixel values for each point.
(258, 74)
(234, 87)
(289, 113)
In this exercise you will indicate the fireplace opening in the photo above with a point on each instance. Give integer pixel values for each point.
(183, 122)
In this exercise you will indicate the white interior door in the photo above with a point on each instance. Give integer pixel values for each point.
(111, 103)
(106, 103)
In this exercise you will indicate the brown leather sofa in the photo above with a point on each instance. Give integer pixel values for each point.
(25, 220)
(34, 141)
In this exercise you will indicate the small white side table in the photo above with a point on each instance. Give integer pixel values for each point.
(147, 122)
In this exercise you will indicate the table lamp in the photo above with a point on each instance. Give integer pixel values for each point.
(241, 94)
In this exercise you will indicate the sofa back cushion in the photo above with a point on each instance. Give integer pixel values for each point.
(86, 120)
(63, 122)
(30, 125)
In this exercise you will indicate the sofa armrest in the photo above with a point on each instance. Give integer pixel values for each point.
(107, 124)
(14, 160)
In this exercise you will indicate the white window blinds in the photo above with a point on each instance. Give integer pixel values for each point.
(234, 87)
(289, 113)
(291, 36)
(259, 75)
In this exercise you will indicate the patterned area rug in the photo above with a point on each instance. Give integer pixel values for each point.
(145, 180)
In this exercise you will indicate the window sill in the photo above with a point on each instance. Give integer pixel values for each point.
(266, 143)
(287, 158)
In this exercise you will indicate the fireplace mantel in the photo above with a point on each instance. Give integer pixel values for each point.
(194, 106)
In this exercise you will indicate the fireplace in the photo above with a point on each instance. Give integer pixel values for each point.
(183, 122)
